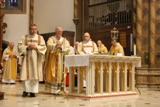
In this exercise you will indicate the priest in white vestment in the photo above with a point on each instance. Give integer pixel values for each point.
(53, 63)
(31, 48)
(87, 46)
(9, 63)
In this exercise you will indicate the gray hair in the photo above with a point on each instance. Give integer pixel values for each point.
(58, 28)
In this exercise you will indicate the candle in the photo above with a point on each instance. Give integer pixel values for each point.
(134, 49)
(64, 42)
(131, 42)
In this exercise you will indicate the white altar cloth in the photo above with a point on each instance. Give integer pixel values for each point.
(76, 60)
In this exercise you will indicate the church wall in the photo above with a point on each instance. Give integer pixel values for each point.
(17, 25)
(48, 15)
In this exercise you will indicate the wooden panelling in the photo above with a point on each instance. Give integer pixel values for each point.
(104, 34)
(69, 35)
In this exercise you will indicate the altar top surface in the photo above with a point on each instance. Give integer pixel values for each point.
(83, 60)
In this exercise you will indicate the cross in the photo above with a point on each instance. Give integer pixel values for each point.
(114, 34)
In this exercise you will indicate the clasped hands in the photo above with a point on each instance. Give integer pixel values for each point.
(12, 55)
(58, 44)
(32, 46)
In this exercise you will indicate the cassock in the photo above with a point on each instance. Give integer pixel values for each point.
(32, 62)
(118, 49)
(9, 65)
(54, 64)
(87, 47)
(102, 49)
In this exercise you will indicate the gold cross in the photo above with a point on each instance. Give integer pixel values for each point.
(114, 34)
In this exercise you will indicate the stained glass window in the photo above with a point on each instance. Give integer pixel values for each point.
(10, 3)
(14, 6)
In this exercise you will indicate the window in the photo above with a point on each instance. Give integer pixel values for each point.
(14, 6)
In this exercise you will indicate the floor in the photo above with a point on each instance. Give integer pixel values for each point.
(12, 98)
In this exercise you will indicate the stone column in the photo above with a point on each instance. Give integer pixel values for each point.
(76, 20)
(139, 28)
(1, 38)
(31, 12)
(134, 20)
(152, 30)
(154, 39)
(148, 75)
(1, 29)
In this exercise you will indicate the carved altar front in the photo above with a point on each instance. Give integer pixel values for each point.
(105, 75)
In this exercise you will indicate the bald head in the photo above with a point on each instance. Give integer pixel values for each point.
(58, 31)
(11, 45)
(86, 37)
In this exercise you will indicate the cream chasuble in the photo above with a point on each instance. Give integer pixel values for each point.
(9, 65)
(102, 49)
(53, 63)
(87, 47)
(116, 49)
(32, 61)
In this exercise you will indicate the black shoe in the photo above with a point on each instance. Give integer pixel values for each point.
(24, 94)
(32, 95)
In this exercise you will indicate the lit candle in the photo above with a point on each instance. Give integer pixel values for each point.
(64, 42)
(134, 49)
(131, 42)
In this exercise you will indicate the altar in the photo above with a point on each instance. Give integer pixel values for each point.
(105, 75)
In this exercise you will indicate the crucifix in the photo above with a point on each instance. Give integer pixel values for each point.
(114, 34)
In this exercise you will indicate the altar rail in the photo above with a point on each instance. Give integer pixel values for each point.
(105, 75)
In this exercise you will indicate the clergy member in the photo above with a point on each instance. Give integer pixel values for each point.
(87, 46)
(101, 47)
(116, 48)
(9, 63)
(53, 63)
(32, 49)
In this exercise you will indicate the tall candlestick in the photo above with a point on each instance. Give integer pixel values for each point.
(131, 42)
(134, 49)
(64, 42)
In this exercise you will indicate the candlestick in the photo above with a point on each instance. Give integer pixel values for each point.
(131, 42)
(134, 49)
(64, 42)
